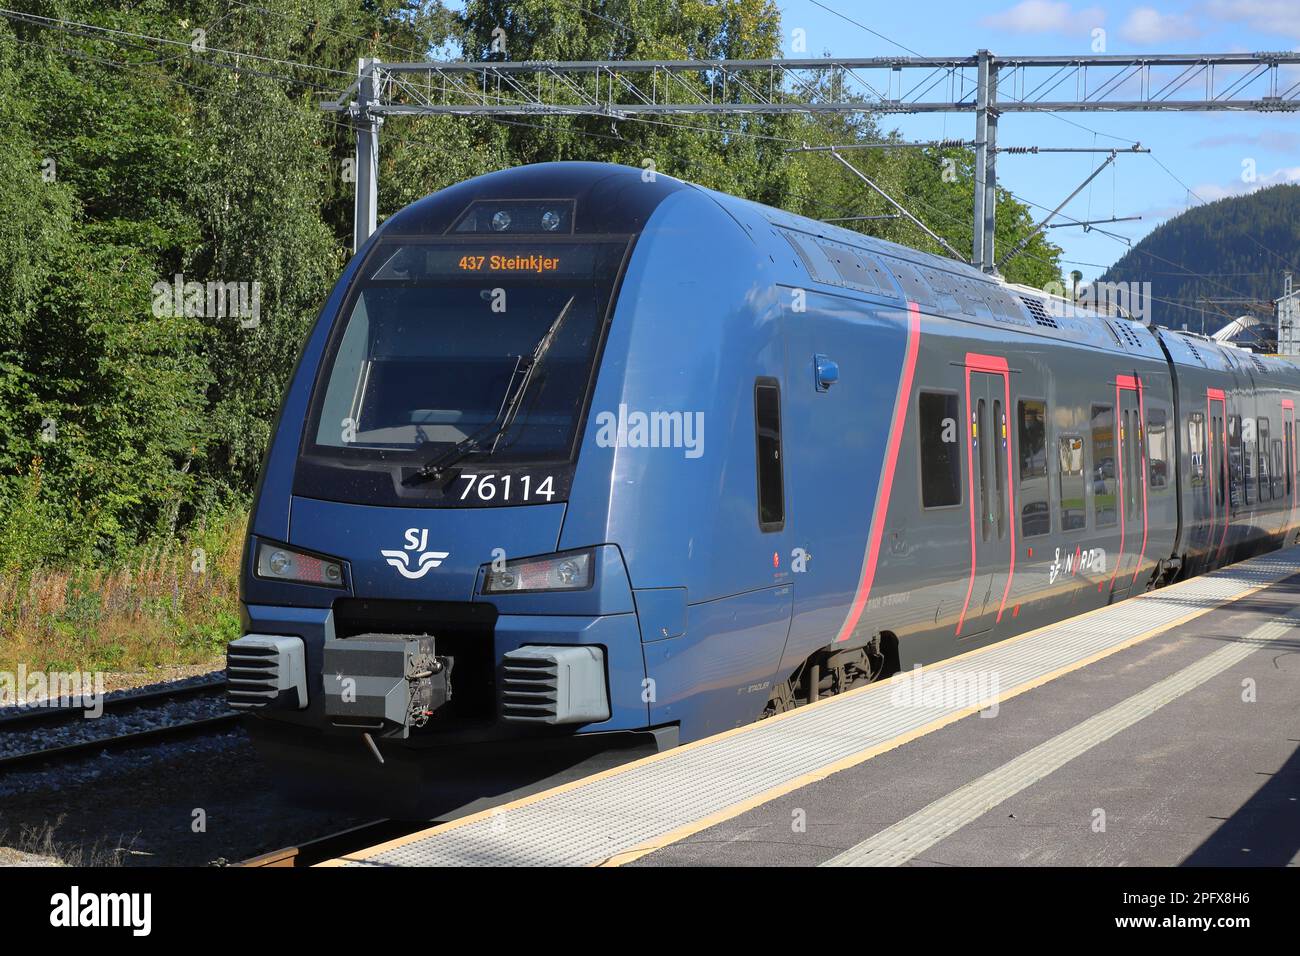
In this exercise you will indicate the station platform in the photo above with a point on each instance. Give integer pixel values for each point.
(1160, 731)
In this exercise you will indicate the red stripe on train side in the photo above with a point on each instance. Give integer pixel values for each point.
(1143, 463)
(1011, 485)
(881, 510)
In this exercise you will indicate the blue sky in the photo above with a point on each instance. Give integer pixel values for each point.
(1205, 151)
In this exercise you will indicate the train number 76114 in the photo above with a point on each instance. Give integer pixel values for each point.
(494, 487)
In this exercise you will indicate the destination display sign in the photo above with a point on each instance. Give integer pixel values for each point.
(425, 261)
(532, 262)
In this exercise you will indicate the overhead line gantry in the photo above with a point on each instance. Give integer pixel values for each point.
(985, 84)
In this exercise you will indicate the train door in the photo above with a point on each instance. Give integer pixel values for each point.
(1285, 479)
(991, 490)
(1198, 479)
(1131, 469)
(1216, 421)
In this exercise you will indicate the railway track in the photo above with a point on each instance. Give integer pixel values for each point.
(51, 719)
(26, 717)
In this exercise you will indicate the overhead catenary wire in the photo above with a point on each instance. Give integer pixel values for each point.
(117, 37)
(318, 25)
(258, 73)
(1193, 194)
(1064, 119)
(1029, 255)
(415, 142)
(60, 22)
(1016, 99)
(581, 111)
(113, 35)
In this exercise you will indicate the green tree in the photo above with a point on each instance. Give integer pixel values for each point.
(99, 395)
(192, 143)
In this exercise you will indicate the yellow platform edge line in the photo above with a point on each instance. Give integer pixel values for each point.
(627, 856)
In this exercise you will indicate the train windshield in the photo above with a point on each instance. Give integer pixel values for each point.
(437, 338)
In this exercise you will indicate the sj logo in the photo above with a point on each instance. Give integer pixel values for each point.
(414, 561)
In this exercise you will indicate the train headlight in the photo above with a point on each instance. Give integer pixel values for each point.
(550, 220)
(501, 221)
(558, 572)
(275, 562)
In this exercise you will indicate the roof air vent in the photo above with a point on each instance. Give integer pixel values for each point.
(1036, 309)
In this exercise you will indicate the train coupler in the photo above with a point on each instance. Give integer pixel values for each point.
(385, 684)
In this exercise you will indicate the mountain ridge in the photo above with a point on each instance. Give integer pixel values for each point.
(1235, 247)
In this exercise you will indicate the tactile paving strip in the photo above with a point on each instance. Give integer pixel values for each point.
(593, 821)
(912, 836)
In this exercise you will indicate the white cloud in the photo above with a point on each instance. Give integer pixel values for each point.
(1212, 191)
(1149, 25)
(1270, 16)
(1209, 192)
(1046, 16)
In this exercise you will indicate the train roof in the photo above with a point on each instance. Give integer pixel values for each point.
(605, 198)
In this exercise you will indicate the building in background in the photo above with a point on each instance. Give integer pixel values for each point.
(1288, 320)
(1248, 332)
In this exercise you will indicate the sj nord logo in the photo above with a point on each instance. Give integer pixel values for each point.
(1093, 560)
(415, 560)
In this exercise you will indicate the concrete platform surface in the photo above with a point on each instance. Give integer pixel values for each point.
(1210, 778)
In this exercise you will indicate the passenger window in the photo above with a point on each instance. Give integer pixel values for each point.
(767, 425)
(1262, 445)
(1103, 465)
(1289, 454)
(1236, 461)
(1219, 443)
(940, 450)
(1196, 445)
(999, 440)
(1131, 435)
(1278, 468)
(1033, 440)
(982, 435)
(1158, 448)
(1070, 451)
(1035, 516)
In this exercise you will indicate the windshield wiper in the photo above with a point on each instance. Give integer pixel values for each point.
(520, 380)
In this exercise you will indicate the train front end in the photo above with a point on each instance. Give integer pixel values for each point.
(419, 638)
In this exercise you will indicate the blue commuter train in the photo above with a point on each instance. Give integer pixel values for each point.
(581, 462)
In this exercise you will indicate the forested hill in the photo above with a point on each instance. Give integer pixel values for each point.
(1238, 247)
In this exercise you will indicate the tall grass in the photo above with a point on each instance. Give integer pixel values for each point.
(170, 602)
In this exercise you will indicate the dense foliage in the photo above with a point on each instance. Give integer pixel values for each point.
(1236, 250)
(132, 157)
